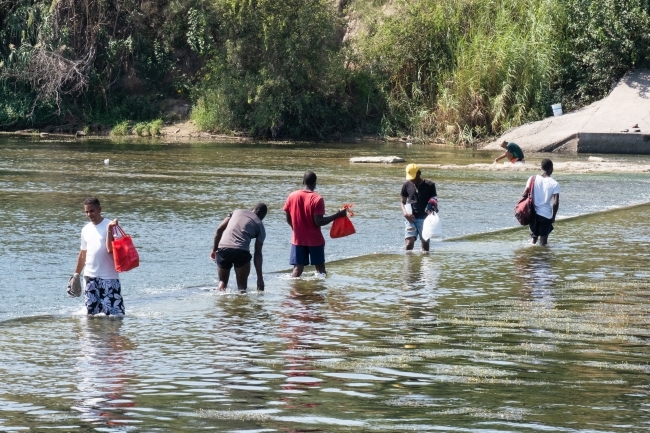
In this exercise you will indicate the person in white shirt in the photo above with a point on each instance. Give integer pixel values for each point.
(102, 292)
(546, 197)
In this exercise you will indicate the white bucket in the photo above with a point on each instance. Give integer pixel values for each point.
(557, 109)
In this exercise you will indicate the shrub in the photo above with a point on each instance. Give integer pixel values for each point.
(121, 128)
(603, 40)
(154, 127)
(462, 69)
(141, 129)
(279, 70)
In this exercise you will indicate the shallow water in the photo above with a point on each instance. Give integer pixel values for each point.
(483, 334)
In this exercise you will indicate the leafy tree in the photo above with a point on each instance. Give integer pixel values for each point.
(603, 40)
(276, 68)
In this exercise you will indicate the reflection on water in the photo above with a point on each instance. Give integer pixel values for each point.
(102, 370)
(420, 289)
(533, 266)
(482, 335)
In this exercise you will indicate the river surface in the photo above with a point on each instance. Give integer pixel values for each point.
(484, 334)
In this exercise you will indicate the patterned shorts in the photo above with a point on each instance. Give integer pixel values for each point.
(103, 296)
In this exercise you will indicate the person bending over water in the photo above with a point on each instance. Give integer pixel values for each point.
(305, 213)
(545, 191)
(102, 292)
(232, 246)
(512, 151)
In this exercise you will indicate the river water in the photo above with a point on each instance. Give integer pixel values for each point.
(484, 334)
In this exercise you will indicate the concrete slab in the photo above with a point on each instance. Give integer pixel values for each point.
(618, 123)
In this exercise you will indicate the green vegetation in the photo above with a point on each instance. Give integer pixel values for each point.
(154, 127)
(142, 129)
(121, 129)
(453, 70)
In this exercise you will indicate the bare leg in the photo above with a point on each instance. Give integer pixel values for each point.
(425, 246)
(533, 240)
(410, 242)
(543, 240)
(297, 270)
(242, 276)
(224, 275)
(321, 269)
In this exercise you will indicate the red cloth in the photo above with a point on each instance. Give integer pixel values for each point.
(302, 205)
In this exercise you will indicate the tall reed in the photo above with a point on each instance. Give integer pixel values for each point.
(464, 69)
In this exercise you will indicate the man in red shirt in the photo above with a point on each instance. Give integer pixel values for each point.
(305, 212)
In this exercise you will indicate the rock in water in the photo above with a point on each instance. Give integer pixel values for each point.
(377, 159)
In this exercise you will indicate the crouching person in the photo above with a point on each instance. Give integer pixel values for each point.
(232, 246)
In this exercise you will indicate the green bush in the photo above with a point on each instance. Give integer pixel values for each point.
(603, 40)
(141, 129)
(121, 129)
(154, 127)
(279, 70)
(462, 69)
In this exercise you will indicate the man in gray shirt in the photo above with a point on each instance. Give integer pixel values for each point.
(232, 244)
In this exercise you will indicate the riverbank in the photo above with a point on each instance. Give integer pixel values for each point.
(182, 131)
(558, 167)
(185, 130)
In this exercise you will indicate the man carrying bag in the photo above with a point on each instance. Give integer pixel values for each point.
(102, 292)
(545, 193)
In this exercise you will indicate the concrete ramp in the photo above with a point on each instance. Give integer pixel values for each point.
(606, 126)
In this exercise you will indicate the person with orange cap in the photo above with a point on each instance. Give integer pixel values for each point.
(419, 198)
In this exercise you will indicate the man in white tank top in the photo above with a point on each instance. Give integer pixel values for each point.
(546, 196)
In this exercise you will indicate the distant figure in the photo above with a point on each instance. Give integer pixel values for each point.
(545, 190)
(232, 246)
(305, 213)
(102, 292)
(420, 195)
(512, 151)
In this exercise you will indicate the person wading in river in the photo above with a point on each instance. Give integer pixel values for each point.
(102, 292)
(305, 213)
(545, 191)
(418, 193)
(232, 246)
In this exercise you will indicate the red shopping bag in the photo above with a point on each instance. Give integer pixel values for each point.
(343, 226)
(125, 255)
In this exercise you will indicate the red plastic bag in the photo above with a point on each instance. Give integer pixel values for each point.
(525, 208)
(125, 255)
(343, 226)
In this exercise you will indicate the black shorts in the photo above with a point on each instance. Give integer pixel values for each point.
(227, 257)
(540, 227)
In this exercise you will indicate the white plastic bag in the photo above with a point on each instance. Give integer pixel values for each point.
(432, 227)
